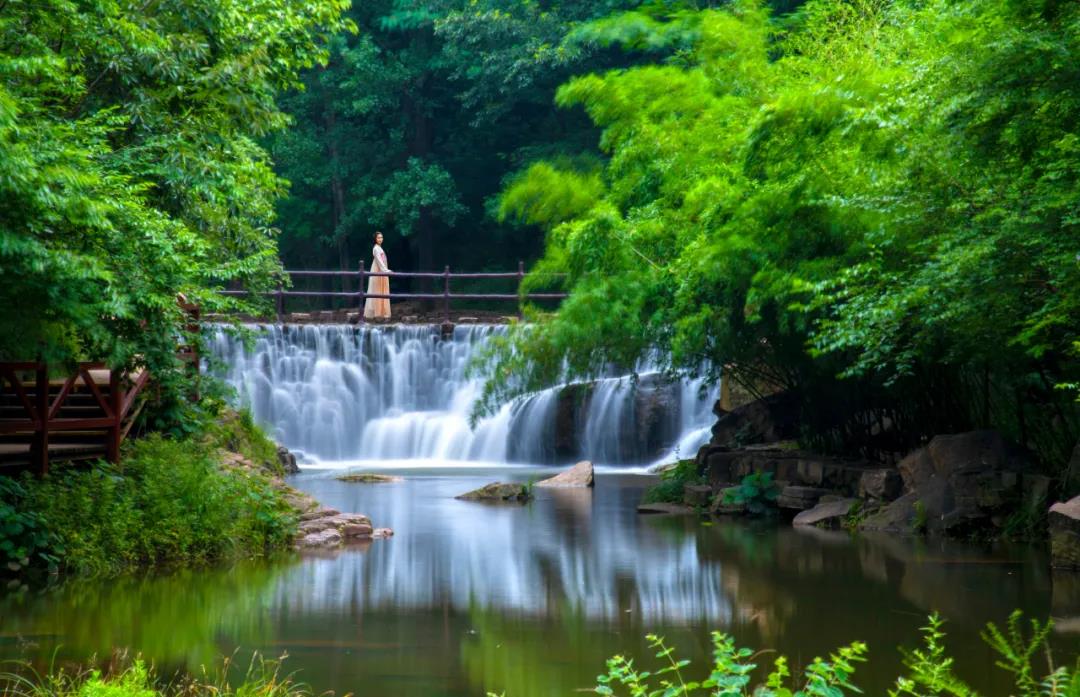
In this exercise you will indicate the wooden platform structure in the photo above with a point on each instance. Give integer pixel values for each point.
(84, 414)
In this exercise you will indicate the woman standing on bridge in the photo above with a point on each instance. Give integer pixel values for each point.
(376, 308)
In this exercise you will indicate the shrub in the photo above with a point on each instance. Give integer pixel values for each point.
(670, 488)
(757, 492)
(24, 539)
(171, 501)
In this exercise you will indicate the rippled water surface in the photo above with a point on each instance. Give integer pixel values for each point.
(529, 600)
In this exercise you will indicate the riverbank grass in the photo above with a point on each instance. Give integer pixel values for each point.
(172, 501)
(263, 678)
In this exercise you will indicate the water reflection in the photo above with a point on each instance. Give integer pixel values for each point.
(531, 600)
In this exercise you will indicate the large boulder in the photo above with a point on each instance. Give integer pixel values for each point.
(880, 484)
(827, 514)
(579, 476)
(959, 485)
(767, 420)
(800, 498)
(1064, 522)
(697, 495)
(498, 491)
(287, 460)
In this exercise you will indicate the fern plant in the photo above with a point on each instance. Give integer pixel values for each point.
(731, 674)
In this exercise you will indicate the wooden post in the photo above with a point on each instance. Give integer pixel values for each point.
(116, 402)
(521, 276)
(362, 292)
(446, 293)
(279, 303)
(40, 449)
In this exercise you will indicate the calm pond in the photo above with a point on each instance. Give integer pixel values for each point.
(530, 600)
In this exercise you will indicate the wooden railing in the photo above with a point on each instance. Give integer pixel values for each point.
(361, 296)
(89, 411)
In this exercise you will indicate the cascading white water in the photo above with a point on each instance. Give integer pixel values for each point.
(345, 393)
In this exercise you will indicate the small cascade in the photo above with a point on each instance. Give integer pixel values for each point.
(348, 393)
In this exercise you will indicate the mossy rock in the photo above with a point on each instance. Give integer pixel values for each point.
(369, 478)
(496, 491)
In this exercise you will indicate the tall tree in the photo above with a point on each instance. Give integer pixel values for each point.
(880, 192)
(130, 168)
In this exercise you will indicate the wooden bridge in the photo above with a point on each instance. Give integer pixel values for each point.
(78, 414)
(444, 298)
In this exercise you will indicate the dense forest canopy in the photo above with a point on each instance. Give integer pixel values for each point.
(871, 203)
(415, 122)
(131, 168)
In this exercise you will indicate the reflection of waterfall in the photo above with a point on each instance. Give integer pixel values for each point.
(338, 392)
(586, 551)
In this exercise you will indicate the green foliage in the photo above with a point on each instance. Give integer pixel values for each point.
(881, 192)
(918, 523)
(171, 502)
(731, 674)
(261, 678)
(237, 432)
(931, 669)
(672, 481)
(757, 492)
(24, 539)
(416, 122)
(129, 167)
(734, 672)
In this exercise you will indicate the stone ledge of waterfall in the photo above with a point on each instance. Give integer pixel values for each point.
(369, 478)
(499, 492)
(580, 476)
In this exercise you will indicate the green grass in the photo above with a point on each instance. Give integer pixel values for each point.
(171, 502)
(262, 678)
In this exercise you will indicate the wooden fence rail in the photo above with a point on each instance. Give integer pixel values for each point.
(361, 296)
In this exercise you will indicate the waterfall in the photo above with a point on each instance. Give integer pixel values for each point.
(400, 392)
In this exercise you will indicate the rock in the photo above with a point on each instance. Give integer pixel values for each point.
(880, 484)
(287, 460)
(1064, 522)
(323, 538)
(827, 514)
(966, 484)
(800, 497)
(900, 516)
(497, 491)
(665, 509)
(720, 505)
(578, 476)
(382, 533)
(319, 513)
(355, 530)
(724, 466)
(766, 420)
(697, 495)
(369, 478)
(352, 317)
(410, 319)
(467, 320)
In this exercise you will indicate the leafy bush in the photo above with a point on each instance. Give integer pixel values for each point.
(171, 501)
(757, 492)
(672, 480)
(24, 540)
